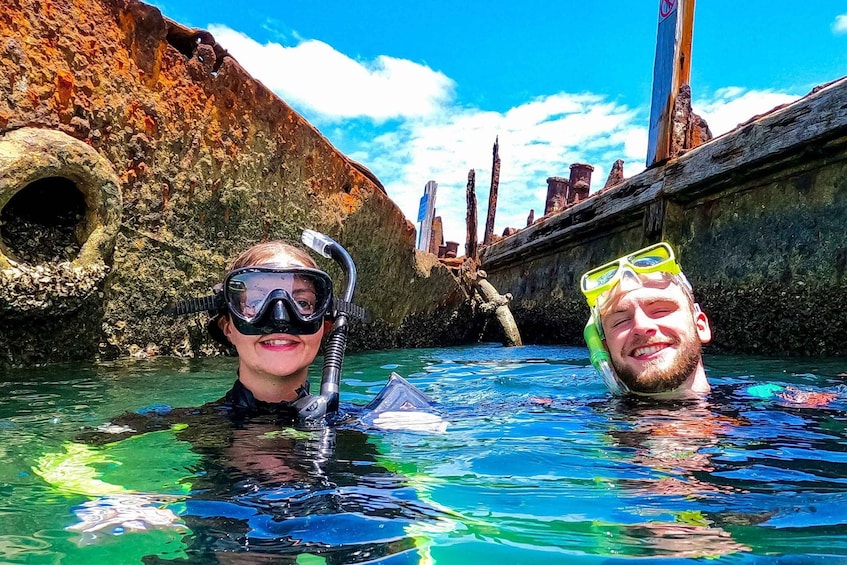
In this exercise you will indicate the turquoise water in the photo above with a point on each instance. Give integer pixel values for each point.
(538, 465)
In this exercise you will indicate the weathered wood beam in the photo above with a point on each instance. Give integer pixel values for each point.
(751, 149)
(470, 220)
(492, 194)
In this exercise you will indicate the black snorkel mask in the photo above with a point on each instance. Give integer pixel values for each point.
(265, 300)
(294, 300)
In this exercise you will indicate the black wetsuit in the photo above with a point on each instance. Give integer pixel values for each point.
(244, 405)
(237, 406)
(261, 476)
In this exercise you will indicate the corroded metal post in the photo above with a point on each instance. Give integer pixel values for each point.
(580, 183)
(557, 190)
(436, 238)
(471, 238)
(492, 195)
(615, 175)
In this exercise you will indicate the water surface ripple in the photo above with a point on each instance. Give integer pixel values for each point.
(539, 464)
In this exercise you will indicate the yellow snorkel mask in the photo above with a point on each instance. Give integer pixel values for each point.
(655, 263)
(655, 259)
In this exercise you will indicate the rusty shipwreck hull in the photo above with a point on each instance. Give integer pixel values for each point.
(137, 157)
(757, 216)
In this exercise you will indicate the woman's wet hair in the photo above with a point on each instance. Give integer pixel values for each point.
(268, 252)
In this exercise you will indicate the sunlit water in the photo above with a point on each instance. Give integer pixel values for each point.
(538, 465)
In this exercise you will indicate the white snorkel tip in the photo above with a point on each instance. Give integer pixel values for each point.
(317, 242)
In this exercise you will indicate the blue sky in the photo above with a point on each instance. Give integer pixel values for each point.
(418, 91)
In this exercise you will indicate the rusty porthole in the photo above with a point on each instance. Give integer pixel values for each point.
(60, 201)
(44, 222)
(60, 212)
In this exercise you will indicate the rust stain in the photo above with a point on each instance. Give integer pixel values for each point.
(64, 87)
(150, 126)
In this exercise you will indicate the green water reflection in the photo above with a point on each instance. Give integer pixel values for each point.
(539, 465)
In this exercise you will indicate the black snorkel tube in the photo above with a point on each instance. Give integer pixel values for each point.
(314, 407)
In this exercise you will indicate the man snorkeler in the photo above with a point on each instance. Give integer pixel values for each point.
(646, 331)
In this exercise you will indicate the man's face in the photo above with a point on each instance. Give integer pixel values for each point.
(653, 337)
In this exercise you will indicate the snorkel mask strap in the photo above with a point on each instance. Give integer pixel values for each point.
(214, 304)
(350, 309)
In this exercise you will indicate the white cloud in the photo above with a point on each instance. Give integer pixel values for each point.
(840, 24)
(398, 118)
(431, 138)
(733, 105)
(537, 140)
(312, 76)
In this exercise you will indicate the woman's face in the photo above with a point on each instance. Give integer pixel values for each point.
(278, 355)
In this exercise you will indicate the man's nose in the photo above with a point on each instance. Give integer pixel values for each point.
(642, 323)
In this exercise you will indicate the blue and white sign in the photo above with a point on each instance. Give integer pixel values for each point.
(422, 207)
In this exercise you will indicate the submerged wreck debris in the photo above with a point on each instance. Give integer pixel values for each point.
(485, 296)
(493, 303)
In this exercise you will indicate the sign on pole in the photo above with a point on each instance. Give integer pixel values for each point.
(422, 207)
(671, 69)
(426, 215)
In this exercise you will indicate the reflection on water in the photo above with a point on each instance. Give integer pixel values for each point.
(539, 465)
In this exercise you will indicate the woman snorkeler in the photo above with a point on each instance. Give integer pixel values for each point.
(253, 453)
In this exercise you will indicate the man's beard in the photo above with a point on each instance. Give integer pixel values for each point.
(661, 377)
